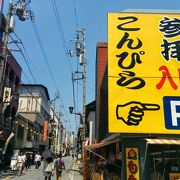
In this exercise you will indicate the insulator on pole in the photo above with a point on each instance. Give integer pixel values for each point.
(78, 48)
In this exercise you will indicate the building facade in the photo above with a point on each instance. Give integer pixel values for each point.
(56, 129)
(9, 105)
(34, 110)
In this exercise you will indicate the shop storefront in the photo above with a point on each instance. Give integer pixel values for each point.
(150, 159)
(104, 160)
(164, 156)
(6, 146)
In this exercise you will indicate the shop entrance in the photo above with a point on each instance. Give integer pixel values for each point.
(164, 161)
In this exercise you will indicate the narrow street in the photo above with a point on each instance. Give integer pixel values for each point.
(70, 173)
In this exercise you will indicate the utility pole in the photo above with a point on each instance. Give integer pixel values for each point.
(81, 54)
(3, 57)
(83, 64)
(84, 85)
(20, 10)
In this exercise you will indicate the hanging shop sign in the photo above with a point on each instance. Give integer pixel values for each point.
(132, 164)
(45, 131)
(7, 95)
(144, 73)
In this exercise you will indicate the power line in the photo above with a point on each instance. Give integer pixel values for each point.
(34, 97)
(65, 112)
(31, 73)
(75, 12)
(26, 76)
(25, 59)
(88, 90)
(59, 25)
(58, 20)
(44, 54)
(26, 53)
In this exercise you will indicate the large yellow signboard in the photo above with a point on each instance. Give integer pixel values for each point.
(144, 73)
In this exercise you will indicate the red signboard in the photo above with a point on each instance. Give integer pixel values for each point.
(45, 130)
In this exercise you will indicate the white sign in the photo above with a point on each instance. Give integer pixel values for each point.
(7, 95)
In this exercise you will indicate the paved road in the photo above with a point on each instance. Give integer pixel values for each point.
(71, 173)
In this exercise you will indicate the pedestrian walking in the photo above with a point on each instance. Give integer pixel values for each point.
(72, 154)
(55, 159)
(48, 168)
(58, 166)
(29, 161)
(25, 161)
(20, 163)
(37, 161)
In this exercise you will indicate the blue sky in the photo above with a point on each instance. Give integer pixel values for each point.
(90, 15)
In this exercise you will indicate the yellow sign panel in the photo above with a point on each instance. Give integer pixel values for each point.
(144, 73)
(174, 176)
(132, 163)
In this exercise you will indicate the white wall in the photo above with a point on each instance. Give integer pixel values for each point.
(91, 120)
(32, 100)
(29, 104)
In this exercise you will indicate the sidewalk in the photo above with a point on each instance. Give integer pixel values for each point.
(6, 174)
(75, 166)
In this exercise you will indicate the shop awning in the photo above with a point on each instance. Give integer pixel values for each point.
(163, 141)
(99, 145)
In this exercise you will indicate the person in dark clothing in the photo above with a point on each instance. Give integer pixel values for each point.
(28, 161)
(58, 166)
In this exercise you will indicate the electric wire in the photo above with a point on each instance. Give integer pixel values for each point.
(25, 59)
(29, 69)
(44, 54)
(26, 77)
(60, 29)
(26, 53)
(40, 42)
(32, 94)
(33, 97)
(61, 32)
(65, 113)
(75, 12)
(42, 49)
(3, 27)
(89, 90)
(59, 24)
